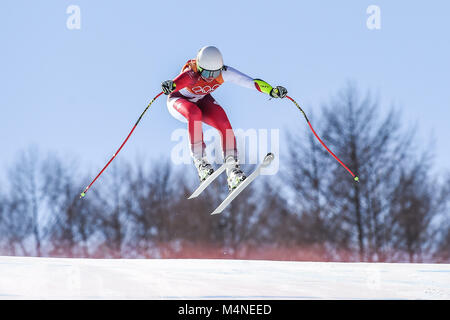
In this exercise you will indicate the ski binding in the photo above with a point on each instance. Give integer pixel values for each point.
(208, 181)
(233, 194)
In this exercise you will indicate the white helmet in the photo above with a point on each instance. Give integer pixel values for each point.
(209, 58)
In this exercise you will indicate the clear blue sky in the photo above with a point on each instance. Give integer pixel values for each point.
(78, 92)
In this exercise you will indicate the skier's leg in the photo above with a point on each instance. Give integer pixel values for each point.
(193, 115)
(214, 115)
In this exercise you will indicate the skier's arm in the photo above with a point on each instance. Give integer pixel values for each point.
(182, 80)
(277, 92)
(232, 75)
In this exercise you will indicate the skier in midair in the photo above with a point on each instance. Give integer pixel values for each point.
(189, 100)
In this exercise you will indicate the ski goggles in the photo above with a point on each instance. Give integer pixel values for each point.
(208, 74)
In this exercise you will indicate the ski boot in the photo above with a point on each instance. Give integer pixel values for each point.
(203, 167)
(234, 173)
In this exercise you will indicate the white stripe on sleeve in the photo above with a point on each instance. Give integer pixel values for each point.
(237, 77)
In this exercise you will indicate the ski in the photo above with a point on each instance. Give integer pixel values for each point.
(208, 181)
(233, 194)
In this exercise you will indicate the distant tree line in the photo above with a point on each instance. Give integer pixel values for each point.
(312, 210)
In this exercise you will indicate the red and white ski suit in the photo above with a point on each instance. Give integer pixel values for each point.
(192, 102)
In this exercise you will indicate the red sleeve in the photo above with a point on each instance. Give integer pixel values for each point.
(185, 79)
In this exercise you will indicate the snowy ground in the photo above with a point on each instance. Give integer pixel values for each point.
(50, 278)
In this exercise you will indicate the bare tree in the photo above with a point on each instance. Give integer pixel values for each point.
(357, 216)
(70, 222)
(148, 207)
(441, 252)
(107, 210)
(306, 175)
(5, 247)
(25, 210)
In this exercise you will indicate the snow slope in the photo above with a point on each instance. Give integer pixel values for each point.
(51, 278)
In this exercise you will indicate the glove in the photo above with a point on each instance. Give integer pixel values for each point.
(168, 86)
(278, 92)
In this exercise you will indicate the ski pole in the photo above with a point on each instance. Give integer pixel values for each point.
(323, 144)
(115, 154)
